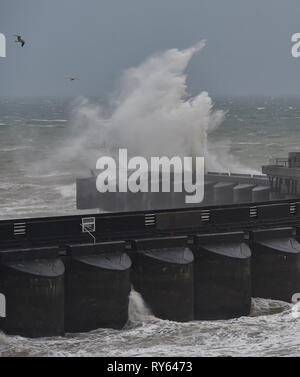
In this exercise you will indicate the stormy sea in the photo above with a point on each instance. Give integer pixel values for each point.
(37, 175)
(45, 144)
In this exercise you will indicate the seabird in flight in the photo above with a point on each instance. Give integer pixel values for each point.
(20, 40)
(72, 78)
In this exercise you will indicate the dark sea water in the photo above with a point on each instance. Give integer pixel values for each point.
(36, 179)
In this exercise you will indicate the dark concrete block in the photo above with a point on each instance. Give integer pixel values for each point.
(222, 276)
(34, 291)
(163, 274)
(97, 288)
(275, 264)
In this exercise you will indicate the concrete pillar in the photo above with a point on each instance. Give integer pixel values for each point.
(97, 287)
(34, 292)
(242, 193)
(261, 194)
(223, 193)
(222, 276)
(275, 263)
(163, 274)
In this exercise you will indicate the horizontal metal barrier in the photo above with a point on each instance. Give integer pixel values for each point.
(61, 231)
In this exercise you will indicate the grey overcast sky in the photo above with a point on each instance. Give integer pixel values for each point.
(247, 53)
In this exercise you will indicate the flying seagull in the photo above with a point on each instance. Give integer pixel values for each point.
(72, 78)
(20, 40)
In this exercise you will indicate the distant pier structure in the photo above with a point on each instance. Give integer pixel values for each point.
(284, 175)
(220, 188)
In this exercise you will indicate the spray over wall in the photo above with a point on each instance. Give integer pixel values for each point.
(151, 115)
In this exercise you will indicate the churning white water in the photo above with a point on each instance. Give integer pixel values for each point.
(151, 114)
(138, 310)
(271, 330)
